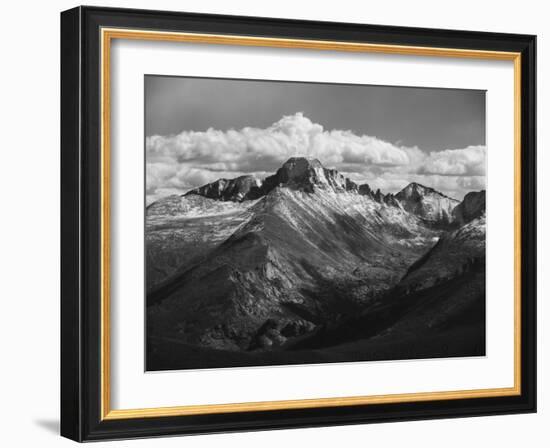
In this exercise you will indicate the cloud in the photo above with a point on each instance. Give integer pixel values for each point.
(469, 161)
(190, 159)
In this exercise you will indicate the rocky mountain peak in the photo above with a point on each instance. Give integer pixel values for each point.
(239, 189)
(427, 203)
(299, 170)
(365, 190)
(417, 190)
(297, 166)
(306, 174)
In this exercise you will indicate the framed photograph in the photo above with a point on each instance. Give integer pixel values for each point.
(274, 224)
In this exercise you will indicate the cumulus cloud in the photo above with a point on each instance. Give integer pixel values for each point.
(177, 163)
(469, 161)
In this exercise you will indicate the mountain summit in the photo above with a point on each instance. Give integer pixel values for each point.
(303, 173)
(427, 203)
(297, 173)
(308, 175)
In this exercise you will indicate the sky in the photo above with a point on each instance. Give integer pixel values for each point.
(201, 129)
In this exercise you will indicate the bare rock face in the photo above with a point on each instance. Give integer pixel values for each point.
(365, 190)
(472, 207)
(390, 199)
(299, 170)
(239, 189)
(427, 203)
(306, 174)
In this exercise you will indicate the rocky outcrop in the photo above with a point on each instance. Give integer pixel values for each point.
(365, 190)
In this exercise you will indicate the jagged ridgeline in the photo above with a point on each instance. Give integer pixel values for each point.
(308, 266)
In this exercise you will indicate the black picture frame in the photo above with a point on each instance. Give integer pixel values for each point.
(81, 413)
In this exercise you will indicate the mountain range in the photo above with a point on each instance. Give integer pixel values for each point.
(308, 265)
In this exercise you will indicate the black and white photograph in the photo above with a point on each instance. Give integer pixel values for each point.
(298, 223)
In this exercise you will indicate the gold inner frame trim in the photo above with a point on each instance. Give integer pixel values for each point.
(107, 35)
